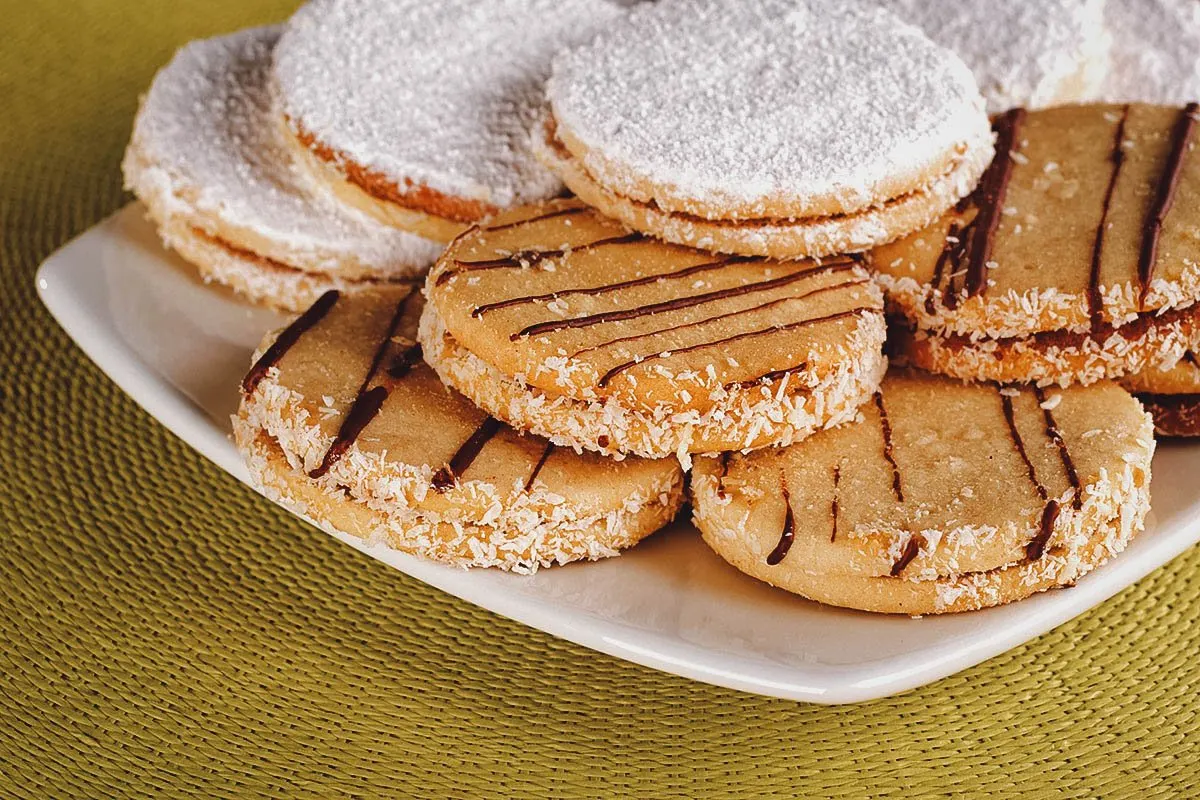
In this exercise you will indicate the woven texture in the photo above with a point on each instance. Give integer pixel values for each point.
(165, 632)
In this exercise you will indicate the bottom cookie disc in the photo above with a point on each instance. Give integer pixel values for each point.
(342, 421)
(944, 496)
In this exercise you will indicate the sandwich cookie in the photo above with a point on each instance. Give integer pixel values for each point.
(419, 113)
(1154, 46)
(209, 162)
(1171, 396)
(817, 129)
(342, 422)
(559, 321)
(1048, 53)
(1077, 259)
(945, 497)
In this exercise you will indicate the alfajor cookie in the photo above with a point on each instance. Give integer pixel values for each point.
(419, 113)
(560, 321)
(1077, 259)
(944, 497)
(341, 421)
(1153, 54)
(777, 128)
(208, 160)
(1032, 55)
(1172, 396)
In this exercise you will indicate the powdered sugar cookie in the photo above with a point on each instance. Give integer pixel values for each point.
(770, 140)
(945, 497)
(207, 158)
(341, 421)
(1032, 55)
(559, 321)
(1172, 396)
(1154, 46)
(1077, 259)
(419, 113)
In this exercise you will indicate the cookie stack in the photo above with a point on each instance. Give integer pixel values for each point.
(768, 196)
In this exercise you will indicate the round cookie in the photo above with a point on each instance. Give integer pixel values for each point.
(1171, 396)
(341, 421)
(1153, 54)
(1076, 259)
(817, 129)
(944, 497)
(208, 160)
(419, 113)
(1034, 55)
(557, 320)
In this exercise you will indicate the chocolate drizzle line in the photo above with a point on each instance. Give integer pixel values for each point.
(446, 477)
(1190, 357)
(951, 253)
(1055, 435)
(833, 506)
(1095, 299)
(403, 362)
(479, 311)
(288, 339)
(1010, 417)
(991, 197)
(531, 258)
(618, 369)
(911, 551)
(768, 377)
(1164, 197)
(678, 303)
(366, 403)
(789, 530)
(366, 406)
(1037, 546)
(719, 317)
(537, 468)
(888, 448)
(562, 212)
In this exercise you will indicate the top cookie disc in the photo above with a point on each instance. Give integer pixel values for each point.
(430, 99)
(765, 109)
(1088, 215)
(1153, 56)
(1023, 54)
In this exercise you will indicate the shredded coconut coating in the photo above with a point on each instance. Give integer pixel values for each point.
(474, 524)
(1034, 55)
(437, 94)
(741, 418)
(770, 109)
(773, 238)
(1154, 47)
(1025, 360)
(207, 151)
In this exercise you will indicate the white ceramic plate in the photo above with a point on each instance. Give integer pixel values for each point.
(179, 348)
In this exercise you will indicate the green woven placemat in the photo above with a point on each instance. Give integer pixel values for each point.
(164, 632)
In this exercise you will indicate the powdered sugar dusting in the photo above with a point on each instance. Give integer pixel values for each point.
(440, 93)
(737, 104)
(1154, 51)
(1022, 54)
(207, 145)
